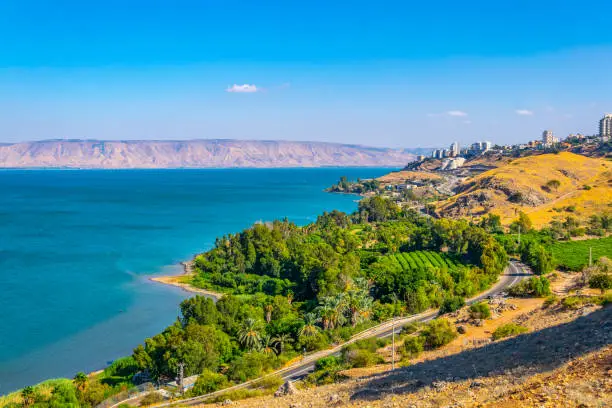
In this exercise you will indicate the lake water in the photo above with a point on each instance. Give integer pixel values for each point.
(77, 248)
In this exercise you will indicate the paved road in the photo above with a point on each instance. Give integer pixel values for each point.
(513, 274)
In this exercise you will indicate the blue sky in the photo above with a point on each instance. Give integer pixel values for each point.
(385, 73)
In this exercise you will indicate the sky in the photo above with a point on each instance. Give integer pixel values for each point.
(384, 73)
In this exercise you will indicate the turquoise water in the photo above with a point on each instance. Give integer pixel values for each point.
(77, 248)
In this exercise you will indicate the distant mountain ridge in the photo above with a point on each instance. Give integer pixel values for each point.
(205, 153)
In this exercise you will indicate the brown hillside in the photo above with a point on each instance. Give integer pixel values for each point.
(542, 186)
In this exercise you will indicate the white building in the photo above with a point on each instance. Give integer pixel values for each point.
(605, 126)
(548, 138)
(454, 149)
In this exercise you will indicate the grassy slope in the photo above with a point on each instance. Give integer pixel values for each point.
(527, 175)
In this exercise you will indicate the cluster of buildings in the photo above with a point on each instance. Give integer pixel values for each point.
(454, 156)
(455, 151)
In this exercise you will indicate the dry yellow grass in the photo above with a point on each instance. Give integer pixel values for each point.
(405, 175)
(529, 176)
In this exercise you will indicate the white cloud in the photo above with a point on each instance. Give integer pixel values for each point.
(524, 112)
(456, 113)
(246, 88)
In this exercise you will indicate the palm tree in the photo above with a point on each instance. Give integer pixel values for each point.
(280, 341)
(338, 305)
(29, 395)
(326, 315)
(268, 310)
(248, 334)
(309, 329)
(267, 344)
(359, 304)
(80, 381)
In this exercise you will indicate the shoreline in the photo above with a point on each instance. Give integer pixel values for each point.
(176, 281)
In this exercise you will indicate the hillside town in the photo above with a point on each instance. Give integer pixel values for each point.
(455, 157)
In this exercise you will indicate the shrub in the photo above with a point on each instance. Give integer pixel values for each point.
(122, 367)
(271, 382)
(413, 346)
(509, 329)
(480, 311)
(601, 281)
(327, 363)
(362, 358)
(550, 300)
(207, 382)
(451, 304)
(438, 333)
(151, 398)
(536, 286)
(411, 328)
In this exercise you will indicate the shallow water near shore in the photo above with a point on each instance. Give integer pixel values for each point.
(77, 248)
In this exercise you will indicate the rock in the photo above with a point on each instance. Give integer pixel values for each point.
(227, 402)
(478, 322)
(294, 405)
(461, 329)
(438, 385)
(476, 384)
(286, 389)
(334, 399)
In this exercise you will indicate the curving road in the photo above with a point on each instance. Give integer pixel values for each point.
(513, 274)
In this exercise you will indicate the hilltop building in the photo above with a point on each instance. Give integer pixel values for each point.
(605, 126)
(548, 138)
(454, 149)
(481, 147)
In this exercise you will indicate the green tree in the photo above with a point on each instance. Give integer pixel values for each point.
(601, 281)
(207, 382)
(249, 334)
(28, 395)
(309, 328)
(281, 340)
(523, 223)
(80, 381)
(438, 333)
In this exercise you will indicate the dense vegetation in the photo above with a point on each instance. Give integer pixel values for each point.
(291, 289)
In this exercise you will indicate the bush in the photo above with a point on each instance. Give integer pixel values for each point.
(413, 346)
(509, 329)
(271, 382)
(207, 382)
(411, 328)
(362, 358)
(480, 311)
(451, 304)
(151, 398)
(327, 363)
(438, 333)
(601, 281)
(536, 286)
(550, 300)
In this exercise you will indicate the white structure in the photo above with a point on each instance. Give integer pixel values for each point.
(548, 138)
(452, 163)
(481, 147)
(454, 149)
(605, 126)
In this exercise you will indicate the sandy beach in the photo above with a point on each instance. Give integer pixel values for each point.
(181, 281)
